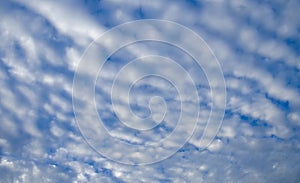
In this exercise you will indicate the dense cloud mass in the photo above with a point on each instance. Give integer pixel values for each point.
(256, 43)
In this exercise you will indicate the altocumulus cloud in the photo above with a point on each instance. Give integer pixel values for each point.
(256, 43)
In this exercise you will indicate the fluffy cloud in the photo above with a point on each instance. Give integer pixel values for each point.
(256, 43)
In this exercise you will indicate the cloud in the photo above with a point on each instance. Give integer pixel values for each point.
(255, 42)
(72, 14)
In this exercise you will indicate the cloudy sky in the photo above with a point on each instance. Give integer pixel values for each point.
(149, 91)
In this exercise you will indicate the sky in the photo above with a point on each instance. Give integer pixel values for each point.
(149, 91)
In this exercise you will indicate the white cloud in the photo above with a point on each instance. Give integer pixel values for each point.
(68, 18)
(41, 45)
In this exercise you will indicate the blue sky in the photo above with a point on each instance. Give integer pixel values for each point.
(257, 45)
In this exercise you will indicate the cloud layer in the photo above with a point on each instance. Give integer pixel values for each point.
(256, 43)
